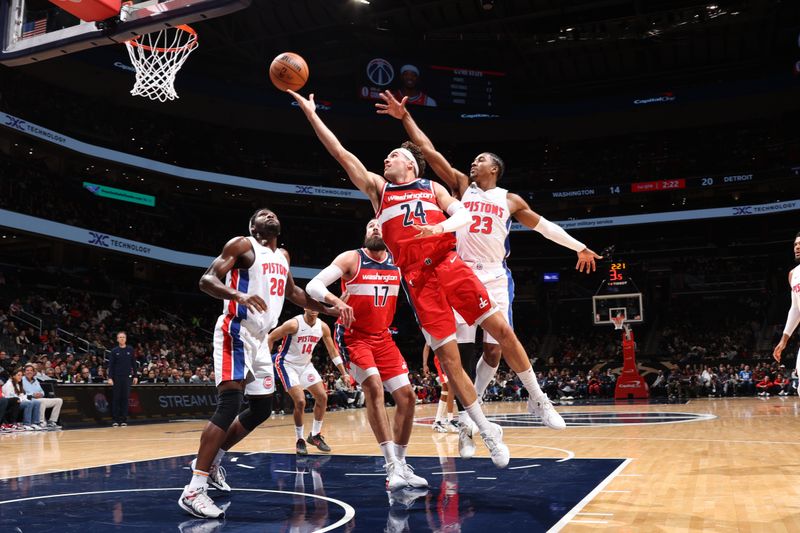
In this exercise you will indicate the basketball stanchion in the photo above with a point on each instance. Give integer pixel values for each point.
(630, 383)
(157, 58)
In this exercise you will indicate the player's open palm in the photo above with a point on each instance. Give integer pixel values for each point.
(392, 106)
(306, 104)
(253, 302)
(586, 260)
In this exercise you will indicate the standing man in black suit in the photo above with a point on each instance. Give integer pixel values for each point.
(121, 368)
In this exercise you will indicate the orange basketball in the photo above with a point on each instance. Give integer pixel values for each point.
(288, 71)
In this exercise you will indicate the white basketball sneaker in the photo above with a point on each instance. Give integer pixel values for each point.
(493, 438)
(394, 476)
(412, 480)
(542, 407)
(216, 477)
(197, 503)
(466, 446)
(439, 427)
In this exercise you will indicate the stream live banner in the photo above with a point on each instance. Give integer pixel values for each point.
(91, 404)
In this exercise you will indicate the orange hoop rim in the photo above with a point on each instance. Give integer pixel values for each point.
(183, 27)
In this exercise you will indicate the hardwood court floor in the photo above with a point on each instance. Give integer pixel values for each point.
(735, 468)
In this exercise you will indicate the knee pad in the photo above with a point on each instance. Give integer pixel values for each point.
(228, 405)
(259, 410)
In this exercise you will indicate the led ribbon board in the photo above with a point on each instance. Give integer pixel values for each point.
(120, 194)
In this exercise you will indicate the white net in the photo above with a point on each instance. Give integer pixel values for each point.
(618, 321)
(157, 58)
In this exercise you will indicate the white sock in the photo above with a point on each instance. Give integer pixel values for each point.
(316, 427)
(464, 419)
(316, 479)
(442, 407)
(387, 448)
(477, 416)
(449, 417)
(218, 458)
(483, 375)
(400, 452)
(298, 432)
(528, 379)
(199, 479)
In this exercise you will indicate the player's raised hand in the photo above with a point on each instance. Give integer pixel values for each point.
(586, 260)
(253, 302)
(427, 231)
(306, 104)
(391, 107)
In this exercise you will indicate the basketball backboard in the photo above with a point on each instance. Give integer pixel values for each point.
(604, 306)
(35, 30)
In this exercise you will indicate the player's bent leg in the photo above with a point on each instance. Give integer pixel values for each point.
(463, 387)
(487, 366)
(458, 380)
(257, 412)
(194, 498)
(400, 389)
(376, 412)
(297, 394)
(320, 395)
(538, 402)
(405, 401)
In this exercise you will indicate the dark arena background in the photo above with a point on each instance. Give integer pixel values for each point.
(662, 134)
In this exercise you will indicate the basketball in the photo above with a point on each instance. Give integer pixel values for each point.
(288, 71)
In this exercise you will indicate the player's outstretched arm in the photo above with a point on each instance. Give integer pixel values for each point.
(290, 327)
(344, 266)
(792, 320)
(529, 218)
(458, 214)
(367, 182)
(455, 180)
(333, 353)
(298, 296)
(211, 282)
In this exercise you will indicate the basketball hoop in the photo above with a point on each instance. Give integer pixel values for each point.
(618, 321)
(157, 58)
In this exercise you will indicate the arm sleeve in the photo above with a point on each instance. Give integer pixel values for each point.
(317, 288)
(556, 233)
(792, 319)
(459, 217)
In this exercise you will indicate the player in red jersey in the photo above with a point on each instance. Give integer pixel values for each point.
(370, 284)
(421, 238)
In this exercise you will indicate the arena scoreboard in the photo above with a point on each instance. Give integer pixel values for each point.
(468, 90)
(618, 189)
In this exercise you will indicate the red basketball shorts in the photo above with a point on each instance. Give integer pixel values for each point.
(371, 351)
(436, 289)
